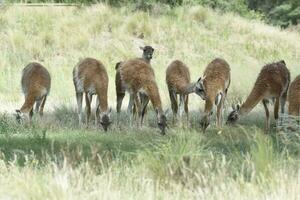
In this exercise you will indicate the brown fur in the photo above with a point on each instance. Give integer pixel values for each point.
(90, 77)
(178, 82)
(36, 84)
(137, 76)
(272, 82)
(294, 97)
(120, 89)
(216, 82)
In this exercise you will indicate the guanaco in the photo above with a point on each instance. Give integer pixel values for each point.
(213, 88)
(179, 83)
(294, 97)
(90, 77)
(36, 83)
(272, 83)
(137, 76)
(120, 88)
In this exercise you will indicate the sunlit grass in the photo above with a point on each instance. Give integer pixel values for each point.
(60, 37)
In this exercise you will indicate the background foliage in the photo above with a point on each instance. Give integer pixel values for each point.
(277, 12)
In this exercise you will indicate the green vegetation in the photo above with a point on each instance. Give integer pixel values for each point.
(281, 13)
(56, 158)
(54, 161)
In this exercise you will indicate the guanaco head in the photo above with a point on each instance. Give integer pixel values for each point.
(200, 88)
(234, 115)
(105, 119)
(205, 121)
(20, 117)
(147, 52)
(118, 65)
(162, 121)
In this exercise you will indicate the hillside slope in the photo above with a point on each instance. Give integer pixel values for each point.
(59, 36)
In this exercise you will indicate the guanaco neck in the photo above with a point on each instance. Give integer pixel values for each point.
(152, 91)
(28, 104)
(256, 95)
(189, 88)
(146, 59)
(102, 95)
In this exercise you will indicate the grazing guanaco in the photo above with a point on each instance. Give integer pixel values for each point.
(179, 83)
(272, 83)
(90, 77)
(213, 88)
(137, 76)
(120, 88)
(294, 97)
(36, 83)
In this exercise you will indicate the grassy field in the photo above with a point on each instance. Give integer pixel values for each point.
(57, 159)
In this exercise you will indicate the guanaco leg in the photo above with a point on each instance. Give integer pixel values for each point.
(186, 107)
(41, 109)
(144, 102)
(181, 106)
(97, 114)
(37, 105)
(276, 109)
(265, 103)
(87, 107)
(79, 97)
(174, 104)
(219, 114)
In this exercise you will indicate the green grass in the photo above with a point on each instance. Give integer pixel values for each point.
(87, 163)
(56, 158)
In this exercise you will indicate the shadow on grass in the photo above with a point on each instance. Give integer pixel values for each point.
(58, 137)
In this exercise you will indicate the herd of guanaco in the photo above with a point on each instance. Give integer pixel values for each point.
(136, 76)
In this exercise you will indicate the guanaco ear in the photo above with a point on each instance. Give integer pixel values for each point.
(16, 113)
(201, 78)
(236, 107)
(282, 61)
(118, 65)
